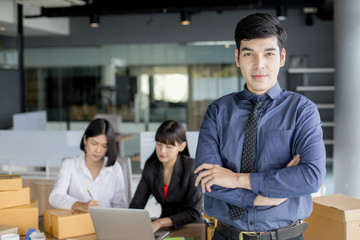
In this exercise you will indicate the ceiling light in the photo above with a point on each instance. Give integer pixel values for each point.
(52, 3)
(211, 43)
(309, 21)
(281, 14)
(94, 20)
(310, 10)
(185, 18)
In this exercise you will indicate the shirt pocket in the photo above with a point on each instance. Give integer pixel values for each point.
(277, 149)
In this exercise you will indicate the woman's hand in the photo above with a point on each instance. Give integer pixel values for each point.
(160, 223)
(84, 207)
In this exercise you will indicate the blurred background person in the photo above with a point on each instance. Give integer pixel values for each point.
(168, 175)
(93, 178)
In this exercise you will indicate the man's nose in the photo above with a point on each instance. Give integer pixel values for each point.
(259, 61)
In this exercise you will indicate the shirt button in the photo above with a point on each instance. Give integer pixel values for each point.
(251, 223)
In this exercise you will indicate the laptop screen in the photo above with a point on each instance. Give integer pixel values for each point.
(122, 223)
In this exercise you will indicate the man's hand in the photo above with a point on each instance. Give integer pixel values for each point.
(84, 206)
(213, 174)
(295, 161)
(265, 201)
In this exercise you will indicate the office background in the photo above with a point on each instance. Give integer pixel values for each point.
(148, 68)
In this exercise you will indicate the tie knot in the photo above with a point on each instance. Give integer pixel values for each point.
(257, 104)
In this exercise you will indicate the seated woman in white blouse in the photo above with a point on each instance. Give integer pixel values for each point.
(94, 178)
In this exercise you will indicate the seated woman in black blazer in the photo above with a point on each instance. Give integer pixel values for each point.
(169, 176)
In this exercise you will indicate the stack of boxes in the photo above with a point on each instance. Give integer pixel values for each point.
(18, 214)
(16, 209)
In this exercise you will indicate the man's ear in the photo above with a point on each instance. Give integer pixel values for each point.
(282, 57)
(237, 57)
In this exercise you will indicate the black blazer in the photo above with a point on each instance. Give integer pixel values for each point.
(184, 202)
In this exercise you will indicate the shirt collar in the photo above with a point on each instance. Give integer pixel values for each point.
(273, 93)
(83, 165)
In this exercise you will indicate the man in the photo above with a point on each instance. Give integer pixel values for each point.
(273, 195)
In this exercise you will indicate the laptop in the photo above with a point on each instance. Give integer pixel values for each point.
(124, 224)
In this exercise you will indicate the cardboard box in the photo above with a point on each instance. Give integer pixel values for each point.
(5, 229)
(40, 189)
(334, 217)
(63, 223)
(15, 198)
(22, 217)
(10, 182)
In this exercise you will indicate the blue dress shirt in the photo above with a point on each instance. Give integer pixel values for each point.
(289, 124)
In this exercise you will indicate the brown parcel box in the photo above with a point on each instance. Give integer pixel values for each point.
(334, 217)
(23, 217)
(15, 198)
(10, 182)
(63, 223)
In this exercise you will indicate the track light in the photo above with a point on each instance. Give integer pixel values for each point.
(309, 21)
(309, 13)
(281, 14)
(94, 20)
(185, 18)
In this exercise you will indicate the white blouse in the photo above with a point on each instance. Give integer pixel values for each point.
(75, 178)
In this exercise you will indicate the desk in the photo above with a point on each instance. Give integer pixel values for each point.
(124, 137)
(196, 230)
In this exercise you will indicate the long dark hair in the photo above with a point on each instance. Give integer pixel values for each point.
(102, 126)
(169, 132)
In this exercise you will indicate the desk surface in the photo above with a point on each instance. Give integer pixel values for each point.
(195, 230)
(125, 137)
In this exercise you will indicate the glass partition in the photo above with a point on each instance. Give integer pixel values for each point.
(147, 94)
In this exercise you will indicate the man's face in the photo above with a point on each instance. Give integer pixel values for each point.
(259, 61)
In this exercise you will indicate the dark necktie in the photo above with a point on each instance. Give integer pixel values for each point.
(247, 160)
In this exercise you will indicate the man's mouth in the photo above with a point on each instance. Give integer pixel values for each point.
(259, 76)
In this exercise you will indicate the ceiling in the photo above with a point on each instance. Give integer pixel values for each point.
(74, 8)
(38, 9)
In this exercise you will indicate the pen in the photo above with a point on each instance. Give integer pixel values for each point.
(89, 193)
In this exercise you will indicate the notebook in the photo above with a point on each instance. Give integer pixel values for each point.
(124, 224)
